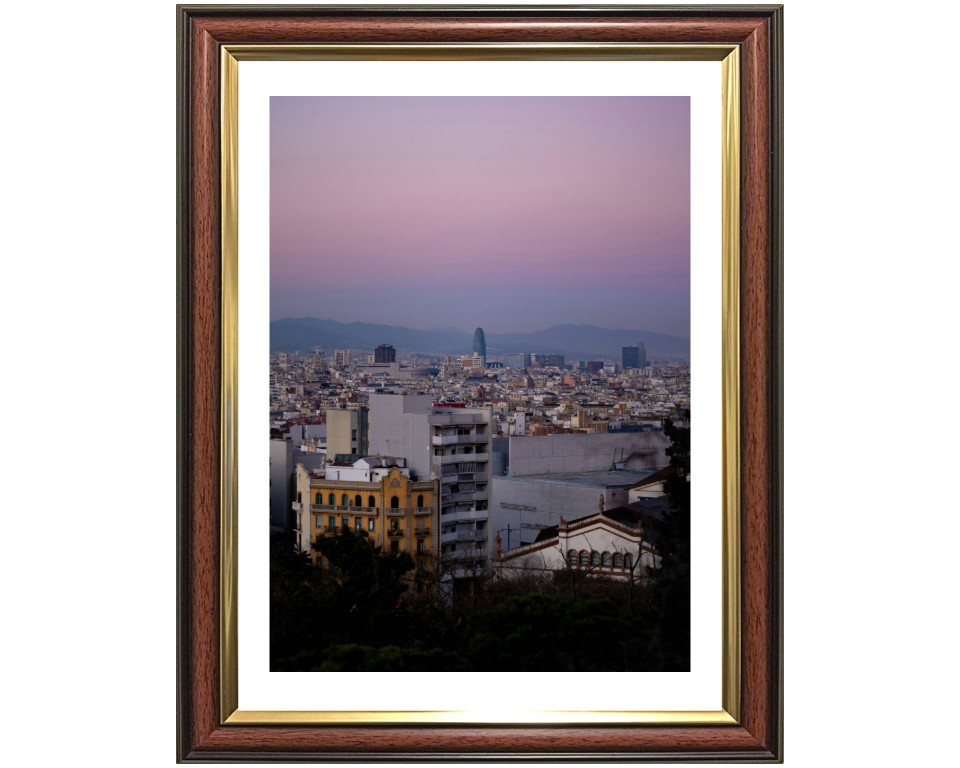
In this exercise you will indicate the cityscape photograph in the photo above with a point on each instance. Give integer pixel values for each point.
(479, 384)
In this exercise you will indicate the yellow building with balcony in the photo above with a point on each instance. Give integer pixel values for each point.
(371, 494)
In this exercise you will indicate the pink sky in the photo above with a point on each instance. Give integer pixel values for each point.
(510, 213)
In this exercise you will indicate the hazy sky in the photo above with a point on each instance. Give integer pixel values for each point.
(509, 213)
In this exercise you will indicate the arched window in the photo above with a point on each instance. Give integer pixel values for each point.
(572, 558)
(420, 501)
(394, 503)
(358, 502)
(584, 559)
(594, 558)
(371, 502)
(617, 560)
(331, 500)
(607, 560)
(319, 499)
(344, 501)
(628, 562)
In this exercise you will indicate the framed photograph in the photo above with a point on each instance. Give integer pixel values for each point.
(470, 268)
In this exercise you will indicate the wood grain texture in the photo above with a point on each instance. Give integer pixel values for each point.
(201, 33)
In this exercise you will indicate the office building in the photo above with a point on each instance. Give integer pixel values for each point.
(516, 360)
(385, 353)
(631, 357)
(547, 359)
(479, 343)
(342, 357)
(642, 354)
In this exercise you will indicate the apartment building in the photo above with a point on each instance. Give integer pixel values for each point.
(375, 494)
(450, 445)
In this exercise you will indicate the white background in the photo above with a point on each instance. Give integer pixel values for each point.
(88, 386)
(700, 689)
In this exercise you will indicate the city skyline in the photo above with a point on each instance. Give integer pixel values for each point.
(514, 214)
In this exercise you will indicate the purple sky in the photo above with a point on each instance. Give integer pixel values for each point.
(509, 213)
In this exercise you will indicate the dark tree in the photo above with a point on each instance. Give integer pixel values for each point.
(672, 578)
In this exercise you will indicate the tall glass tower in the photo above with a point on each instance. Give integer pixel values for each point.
(479, 343)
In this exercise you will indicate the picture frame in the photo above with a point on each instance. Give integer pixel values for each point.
(211, 39)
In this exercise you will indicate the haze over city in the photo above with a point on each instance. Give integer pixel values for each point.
(511, 213)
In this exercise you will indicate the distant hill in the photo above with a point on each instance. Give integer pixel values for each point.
(575, 341)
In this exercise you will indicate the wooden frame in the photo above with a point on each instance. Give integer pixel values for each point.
(203, 34)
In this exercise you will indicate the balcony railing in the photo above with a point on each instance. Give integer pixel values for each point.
(468, 514)
(394, 533)
(458, 457)
(323, 508)
(397, 512)
(455, 439)
(477, 477)
(421, 531)
(297, 506)
(422, 510)
(449, 498)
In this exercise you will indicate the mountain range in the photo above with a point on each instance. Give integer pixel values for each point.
(577, 342)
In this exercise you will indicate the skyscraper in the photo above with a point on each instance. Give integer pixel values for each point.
(479, 343)
(385, 353)
(642, 354)
(631, 357)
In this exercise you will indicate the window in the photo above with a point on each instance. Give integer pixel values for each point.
(371, 502)
(607, 561)
(420, 501)
(617, 560)
(394, 503)
(628, 562)
(420, 546)
(394, 547)
(345, 521)
(332, 522)
(357, 501)
(572, 558)
(319, 521)
(584, 559)
(394, 525)
(299, 496)
(319, 499)
(358, 524)
(594, 558)
(353, 434)
(331, 500)
(344, 501)
(371, 524)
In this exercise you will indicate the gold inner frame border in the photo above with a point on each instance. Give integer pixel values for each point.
(729, 56)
